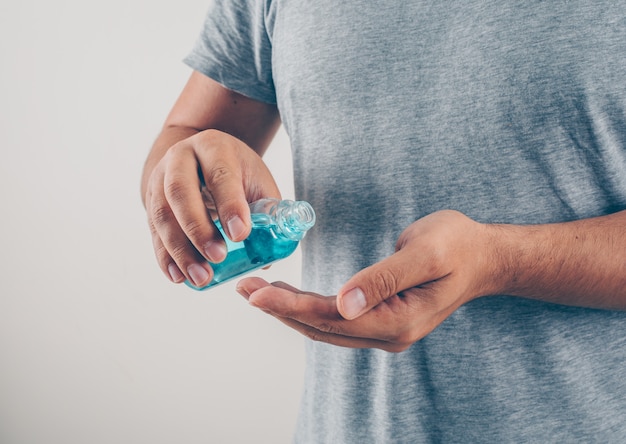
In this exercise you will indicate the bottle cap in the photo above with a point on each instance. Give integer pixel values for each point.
(296, 218)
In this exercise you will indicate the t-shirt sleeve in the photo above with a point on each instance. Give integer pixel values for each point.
(234, 48)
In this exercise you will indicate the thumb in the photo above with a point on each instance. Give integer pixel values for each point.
(374, 284)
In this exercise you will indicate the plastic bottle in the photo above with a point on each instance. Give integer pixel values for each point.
(277, 228)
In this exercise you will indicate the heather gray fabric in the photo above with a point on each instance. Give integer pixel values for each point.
(508, 111)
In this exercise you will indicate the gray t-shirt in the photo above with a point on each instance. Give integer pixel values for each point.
(508, 111)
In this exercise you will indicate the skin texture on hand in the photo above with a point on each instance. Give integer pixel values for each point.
(445, 260)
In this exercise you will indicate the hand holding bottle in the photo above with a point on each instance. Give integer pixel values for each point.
(277, 228)
(207, 166)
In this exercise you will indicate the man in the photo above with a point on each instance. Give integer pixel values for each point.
(467, 164)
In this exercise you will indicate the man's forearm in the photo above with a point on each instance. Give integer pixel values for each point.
(581, 263)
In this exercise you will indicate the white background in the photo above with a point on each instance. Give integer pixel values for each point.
(96, 346)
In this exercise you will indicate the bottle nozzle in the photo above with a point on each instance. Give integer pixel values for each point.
(296, 219)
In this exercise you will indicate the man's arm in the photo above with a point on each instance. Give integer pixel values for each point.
(581, 263)
(205, 104)
(213, 137)
(445, 260)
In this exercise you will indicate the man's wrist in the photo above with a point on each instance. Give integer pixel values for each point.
(513, 257)
(579, 263)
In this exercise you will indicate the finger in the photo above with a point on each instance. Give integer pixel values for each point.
(165, 261)
(391, 323)
(247, 286)
(234, 177)
(374, 284)
(223, 180)
(172, 247)
(290, 313)
(337, 339)
(184, 195)
(176, 254)
(285, 299)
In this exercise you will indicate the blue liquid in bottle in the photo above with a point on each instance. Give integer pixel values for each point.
(277, 228)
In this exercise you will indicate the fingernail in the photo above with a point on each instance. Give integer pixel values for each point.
(236, 227)
(215, 251)
(239, 289)
(198, 274)
(175, 273)
(353, 303)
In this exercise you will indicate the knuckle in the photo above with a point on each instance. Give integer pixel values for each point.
(179, 253)
(175, 154)
(386, 284)
(437, 262)
(194, 229)
(178, 149)
(176, 189)
(217, 175)
(152, 226)
(211, 138)
(161, 215)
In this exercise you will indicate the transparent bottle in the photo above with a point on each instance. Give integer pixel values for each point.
(277, 228)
